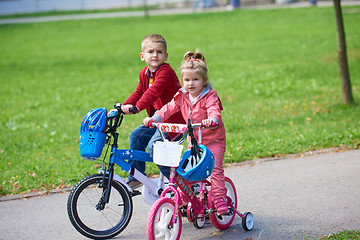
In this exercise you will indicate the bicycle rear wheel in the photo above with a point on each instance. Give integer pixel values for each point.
(92, 220)
(224, 221)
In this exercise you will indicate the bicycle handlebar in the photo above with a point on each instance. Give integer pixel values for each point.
(134, 110)
(115, 117)
(179, 128)
(212, 125)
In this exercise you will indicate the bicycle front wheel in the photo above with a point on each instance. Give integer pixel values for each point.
(159, 218)
(88, 214)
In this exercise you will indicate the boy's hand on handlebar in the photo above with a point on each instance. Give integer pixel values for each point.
(147, 121)
(128, 109)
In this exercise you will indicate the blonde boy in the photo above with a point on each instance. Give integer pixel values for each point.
(157, 85)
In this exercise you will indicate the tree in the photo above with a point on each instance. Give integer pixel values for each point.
(146, 9)
(342, 56)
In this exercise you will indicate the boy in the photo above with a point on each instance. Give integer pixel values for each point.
(157, 86)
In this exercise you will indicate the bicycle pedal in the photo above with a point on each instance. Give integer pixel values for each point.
(231, 211)
(135, 193)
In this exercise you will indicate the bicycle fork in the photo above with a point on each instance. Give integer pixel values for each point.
(107, 190)
(106, 186)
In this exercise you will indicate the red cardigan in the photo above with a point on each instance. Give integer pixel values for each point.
(165, 85)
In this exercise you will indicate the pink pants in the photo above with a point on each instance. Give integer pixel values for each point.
(217, 177)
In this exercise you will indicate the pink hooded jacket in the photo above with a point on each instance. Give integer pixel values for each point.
(208, 105)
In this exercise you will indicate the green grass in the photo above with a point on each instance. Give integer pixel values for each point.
(343, 235)
(276, 72)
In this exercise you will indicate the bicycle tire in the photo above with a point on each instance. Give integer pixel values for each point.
(99, 224)
(224, 221)
(159, 218)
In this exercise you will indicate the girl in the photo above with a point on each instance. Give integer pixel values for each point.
(199, 102)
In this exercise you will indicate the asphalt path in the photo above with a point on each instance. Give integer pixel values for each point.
(310, 196)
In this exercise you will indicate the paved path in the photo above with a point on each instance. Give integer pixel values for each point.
(290, 198)
(165, 12)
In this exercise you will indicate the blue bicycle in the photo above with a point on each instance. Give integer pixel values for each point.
(100, 206)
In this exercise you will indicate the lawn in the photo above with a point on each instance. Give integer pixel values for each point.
(276, 72)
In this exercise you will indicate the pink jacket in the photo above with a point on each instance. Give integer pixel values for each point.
(207, 106)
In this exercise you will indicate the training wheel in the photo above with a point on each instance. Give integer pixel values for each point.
(247, 221)
(199, 221)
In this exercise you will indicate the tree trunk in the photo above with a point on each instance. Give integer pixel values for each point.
(146, 9)
(342, 56)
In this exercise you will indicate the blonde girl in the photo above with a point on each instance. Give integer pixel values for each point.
(198, 101)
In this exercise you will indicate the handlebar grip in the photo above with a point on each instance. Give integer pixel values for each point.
(212, 125)
(118, 107)
(134, 110)
(150, 124)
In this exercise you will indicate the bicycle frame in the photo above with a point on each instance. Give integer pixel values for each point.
(164, 219)
(197, 203)
(118, 157)
(106, 195)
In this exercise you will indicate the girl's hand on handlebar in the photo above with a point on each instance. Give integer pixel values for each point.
(147, 121)
(209, 123)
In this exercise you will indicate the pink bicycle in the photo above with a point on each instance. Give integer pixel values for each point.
(180, 198)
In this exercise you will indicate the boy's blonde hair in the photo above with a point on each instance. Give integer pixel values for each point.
(195, 61)
(156, 38)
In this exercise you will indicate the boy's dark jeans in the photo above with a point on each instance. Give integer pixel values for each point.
(140, 138)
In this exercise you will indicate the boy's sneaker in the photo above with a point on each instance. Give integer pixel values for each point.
(134, 183)
(221, 206)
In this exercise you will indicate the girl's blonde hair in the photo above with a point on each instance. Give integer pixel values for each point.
(195, 61)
